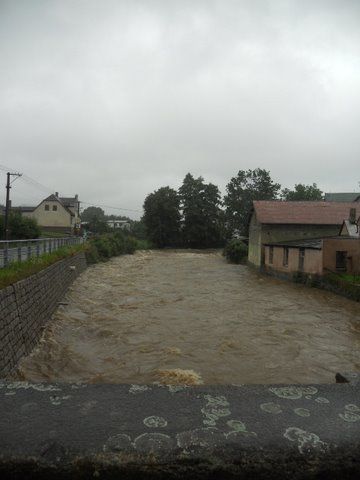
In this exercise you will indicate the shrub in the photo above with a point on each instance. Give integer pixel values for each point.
(131, 245)
(143, 244)
(236, 251)
(91, 253)
(109, 245)
(20, 227)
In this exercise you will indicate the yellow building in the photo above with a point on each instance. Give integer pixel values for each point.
(55, 214)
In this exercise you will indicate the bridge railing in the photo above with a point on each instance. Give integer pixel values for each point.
(21, 250)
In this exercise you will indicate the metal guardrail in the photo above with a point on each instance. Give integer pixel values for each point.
(21, 250)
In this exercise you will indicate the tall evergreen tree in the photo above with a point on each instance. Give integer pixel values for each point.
(242, 190)
(200, 203)
(162, 217)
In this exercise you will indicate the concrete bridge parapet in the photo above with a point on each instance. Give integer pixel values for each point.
(151, 431)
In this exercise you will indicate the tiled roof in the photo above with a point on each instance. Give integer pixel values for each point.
(68, 201)
(303, 213)
(51, 198)
(342, 197)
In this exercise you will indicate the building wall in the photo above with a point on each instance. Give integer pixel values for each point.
(312, 260)
(255, 247)
(350, 245)
(50, 218)
(283, 233)
(27, 306)
(268, 233)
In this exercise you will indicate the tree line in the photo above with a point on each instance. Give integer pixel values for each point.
(195, 215)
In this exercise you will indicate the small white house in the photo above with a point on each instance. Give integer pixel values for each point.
(118, 224)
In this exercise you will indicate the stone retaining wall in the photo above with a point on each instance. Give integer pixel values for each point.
(26, 306)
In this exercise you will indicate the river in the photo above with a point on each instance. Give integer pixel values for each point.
(190, 317)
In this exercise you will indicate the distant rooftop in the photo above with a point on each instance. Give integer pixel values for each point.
(23, 209)
(303, 213)
(342, 197)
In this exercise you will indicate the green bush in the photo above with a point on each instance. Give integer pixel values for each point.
(91, 253)
(143, 244)
(21, 228)
(131, 244)
(236, 251)
(103, 247)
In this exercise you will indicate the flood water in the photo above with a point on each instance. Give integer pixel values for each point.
(183, 316)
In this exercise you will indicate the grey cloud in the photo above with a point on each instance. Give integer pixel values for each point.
(114, 99)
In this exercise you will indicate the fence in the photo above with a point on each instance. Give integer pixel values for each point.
(21, 250)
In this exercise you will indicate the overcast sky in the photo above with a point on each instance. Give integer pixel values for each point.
(114, 99)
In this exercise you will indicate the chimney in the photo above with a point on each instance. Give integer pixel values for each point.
(57, 194)
(76, 197)
(352, 215)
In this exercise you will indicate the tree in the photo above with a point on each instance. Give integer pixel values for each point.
(200, 203)
(162, 217)
(21, 228)
(302, 192)
(242, 190)
(138, 229)
(98, 225)
(92, 213)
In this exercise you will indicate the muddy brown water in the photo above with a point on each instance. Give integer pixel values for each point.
(182, 316)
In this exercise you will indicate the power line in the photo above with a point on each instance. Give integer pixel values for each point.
(42, 187)
(108, 206)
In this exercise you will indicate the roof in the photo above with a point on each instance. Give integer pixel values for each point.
(302, 213)
(23, 209)
(313, 243)
(342, 197)
(68, 201)
(51, 198)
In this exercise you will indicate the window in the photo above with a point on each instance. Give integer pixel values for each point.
(271, 255)
(341, 260)
(301, 259)
(47, 207)
(286, 257)
(54, 208)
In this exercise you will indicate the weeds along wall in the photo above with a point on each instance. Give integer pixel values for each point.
(26, 307)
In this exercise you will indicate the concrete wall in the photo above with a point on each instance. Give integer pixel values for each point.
(350, 245)
(255, 247)
(267, 233)
(27, 306)
(283, 233)
(312, 260)
(154, 432)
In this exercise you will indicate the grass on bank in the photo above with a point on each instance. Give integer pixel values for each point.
(16, 271)
(348, 277)
(97, 249)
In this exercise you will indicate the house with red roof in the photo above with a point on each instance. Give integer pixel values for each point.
(276, 222)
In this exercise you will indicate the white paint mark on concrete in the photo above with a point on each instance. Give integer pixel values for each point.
(271, 408)
(155, 422)
(306, 441)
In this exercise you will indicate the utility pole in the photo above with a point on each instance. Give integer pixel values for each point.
(7, 207)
